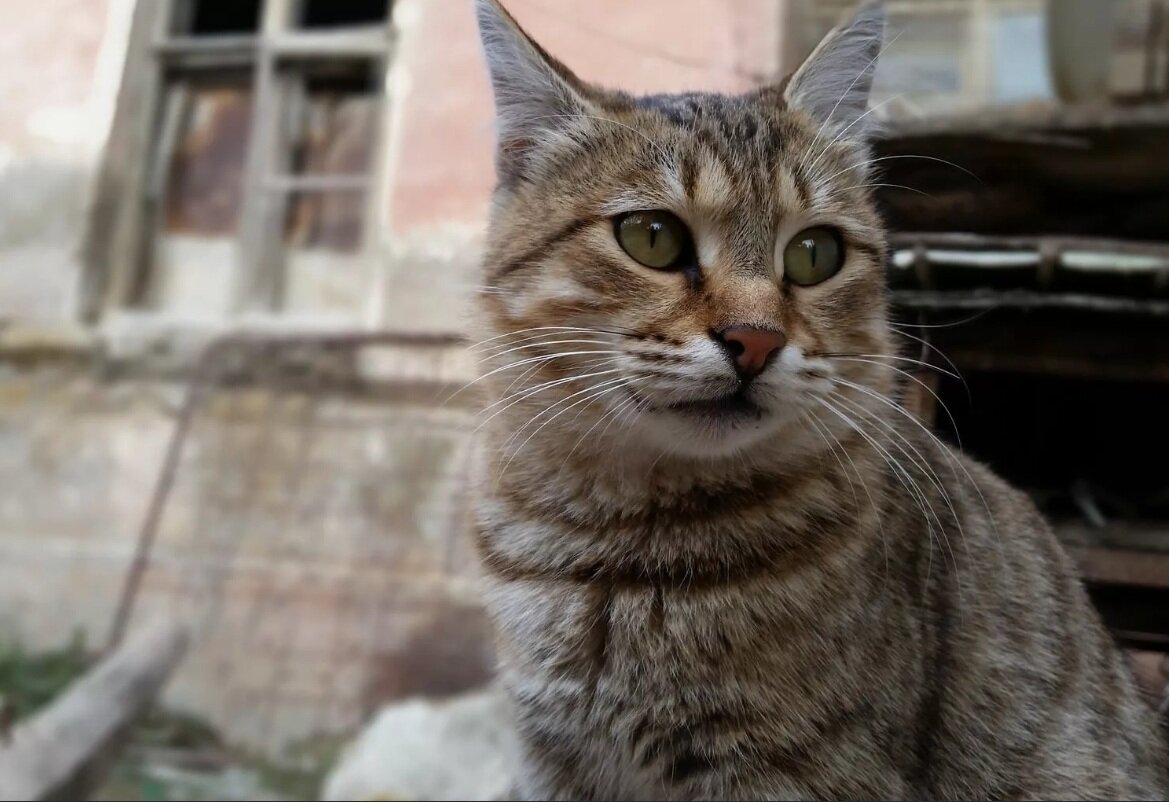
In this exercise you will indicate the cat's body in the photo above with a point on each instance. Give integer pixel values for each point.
(716, 576)
(655, 655)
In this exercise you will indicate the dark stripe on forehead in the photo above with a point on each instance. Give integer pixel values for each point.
(681, 110)
(735, 118)
(803, 185)
(689, 173)
(562, 234)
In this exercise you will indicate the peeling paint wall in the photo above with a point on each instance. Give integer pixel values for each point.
(60, 61)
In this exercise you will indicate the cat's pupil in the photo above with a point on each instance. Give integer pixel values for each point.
(810, 245)
(654, 228)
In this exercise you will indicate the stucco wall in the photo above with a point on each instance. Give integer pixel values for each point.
(60, 62)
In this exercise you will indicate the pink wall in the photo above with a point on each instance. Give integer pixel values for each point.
(444, 169)
(47, 61)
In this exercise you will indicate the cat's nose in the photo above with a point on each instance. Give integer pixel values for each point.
(750, 348)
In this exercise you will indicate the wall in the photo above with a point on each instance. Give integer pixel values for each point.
(302, 626)
(60, 61)
(441, 160)
(72, 464)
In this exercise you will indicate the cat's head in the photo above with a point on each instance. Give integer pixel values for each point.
(695, 273)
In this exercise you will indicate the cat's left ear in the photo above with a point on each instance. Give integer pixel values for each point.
(535, 95)
(832, 85)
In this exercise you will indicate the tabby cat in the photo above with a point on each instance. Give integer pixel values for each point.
(721, 559)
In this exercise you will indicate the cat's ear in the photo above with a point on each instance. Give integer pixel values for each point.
(535, 95)
(832, 85)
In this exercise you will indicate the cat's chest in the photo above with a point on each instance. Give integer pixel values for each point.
(637, 637)
(634, 678)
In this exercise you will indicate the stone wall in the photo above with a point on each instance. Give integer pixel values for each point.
(314, 533)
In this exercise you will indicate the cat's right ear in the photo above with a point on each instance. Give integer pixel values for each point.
(832, 85)
(535, 95)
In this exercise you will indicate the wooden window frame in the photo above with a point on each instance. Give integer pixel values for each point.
(822, 15)
(131, 183)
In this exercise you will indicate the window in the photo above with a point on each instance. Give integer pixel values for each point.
(948, 55)
(256, 126)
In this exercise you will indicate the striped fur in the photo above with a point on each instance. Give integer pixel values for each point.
(817, 601)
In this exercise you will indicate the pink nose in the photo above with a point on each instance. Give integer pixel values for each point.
(751, 348)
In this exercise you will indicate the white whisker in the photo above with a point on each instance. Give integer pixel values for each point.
(590, 393)
(539, 389)
(912, 378)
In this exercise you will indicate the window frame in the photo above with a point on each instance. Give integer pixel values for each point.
(811, 19)
(131, 184)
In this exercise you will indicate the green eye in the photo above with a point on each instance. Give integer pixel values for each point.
(657, 239)
(812, 256)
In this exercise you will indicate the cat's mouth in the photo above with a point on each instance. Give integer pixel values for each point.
(733, 405)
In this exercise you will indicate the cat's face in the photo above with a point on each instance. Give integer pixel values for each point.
(698, 271)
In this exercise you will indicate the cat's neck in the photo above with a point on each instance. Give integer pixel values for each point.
(621, 472)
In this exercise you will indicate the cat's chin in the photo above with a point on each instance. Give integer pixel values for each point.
(711, 429)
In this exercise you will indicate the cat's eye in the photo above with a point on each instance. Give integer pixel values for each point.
(814, 255)
(657, 239)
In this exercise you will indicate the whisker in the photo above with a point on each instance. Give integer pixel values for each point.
(826, 148)
(934, 440)
(877, 185)
(589, 431)
(861, 74)
(931, 476)
(807, 415)
(625, 333)
(638, 408)
(547, 331)
(962, 322)
(912, 378)
(906, 156)
(590, 393)
(586, 365)
(520, 363)
(896, 358)
(903, 477)
(539, 389)
(928, 345)
(920, 462)
(653, 144)
(543, 343)
(864, 485)
(899, 470)
(526, 391)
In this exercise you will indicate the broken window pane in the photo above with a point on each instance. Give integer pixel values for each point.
(334, 132)
(211, 17)
(343, 13)
(330, 220)
(198, 194)
(204, 186)
(330, 139)
(927, 65)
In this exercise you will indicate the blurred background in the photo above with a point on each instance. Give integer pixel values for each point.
(237, 240)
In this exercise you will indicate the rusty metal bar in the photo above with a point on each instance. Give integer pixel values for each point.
(200, 377)
(1023, 299)
(166, 479)
(1059, 244)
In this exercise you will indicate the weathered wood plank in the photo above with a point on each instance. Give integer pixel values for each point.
(54, 754)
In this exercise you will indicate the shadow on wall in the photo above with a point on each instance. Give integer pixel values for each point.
(43, 204)
(448, 652)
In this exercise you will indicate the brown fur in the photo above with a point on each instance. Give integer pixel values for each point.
(822, 601)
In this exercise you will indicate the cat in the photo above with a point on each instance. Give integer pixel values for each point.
(720, 559)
